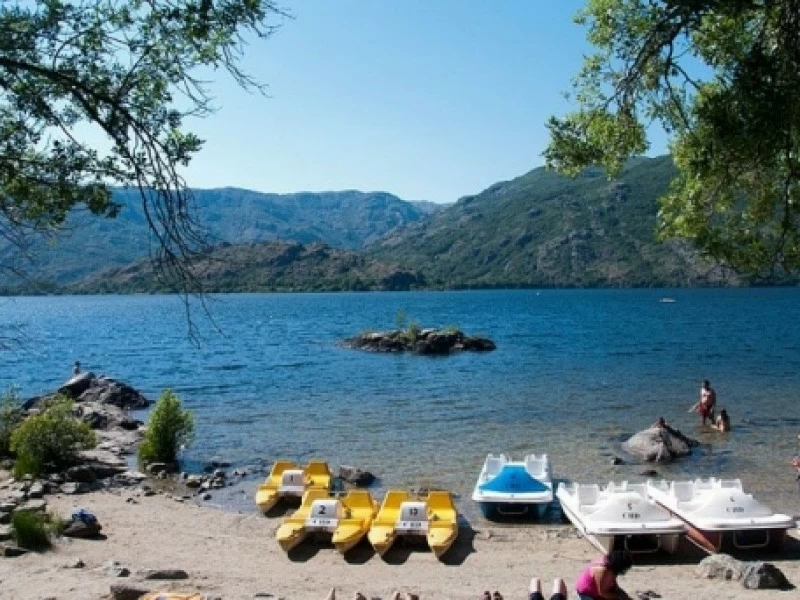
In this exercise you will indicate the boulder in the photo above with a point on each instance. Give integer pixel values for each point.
(112, 568)
(116, 393)
(80, 474)
(34, 506)
(759, 575)
(5, 533)
(127, 592)
(36, 490)
(167, 574)
(753, 575)
(659, 444)
(157, 468)
(80, 529)
(75, 487)
(12, 551)
(77, 385)
(356, 476)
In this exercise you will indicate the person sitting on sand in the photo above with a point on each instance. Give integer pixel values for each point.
(559, 590)
(723, 422)
(598, 581)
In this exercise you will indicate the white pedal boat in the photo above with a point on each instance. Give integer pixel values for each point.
(508, 488)
(620, 517)
(718, 512)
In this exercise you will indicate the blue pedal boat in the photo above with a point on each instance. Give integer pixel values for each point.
(507, 488)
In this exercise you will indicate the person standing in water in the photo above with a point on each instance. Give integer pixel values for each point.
(705, 407)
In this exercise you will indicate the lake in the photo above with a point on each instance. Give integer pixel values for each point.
(575, 373)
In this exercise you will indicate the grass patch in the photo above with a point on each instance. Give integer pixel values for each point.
(30, 530)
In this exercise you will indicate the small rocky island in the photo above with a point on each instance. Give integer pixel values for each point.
(421, 341)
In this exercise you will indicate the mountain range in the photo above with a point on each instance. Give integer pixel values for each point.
(538, 230)
(346, 219)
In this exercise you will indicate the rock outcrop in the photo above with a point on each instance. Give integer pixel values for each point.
(88, 390)
(753, 574)
(355, 476)
(659, 444)
(424, 341)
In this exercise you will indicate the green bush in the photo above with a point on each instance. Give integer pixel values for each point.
(30, 530)
(10, 418)
(413, 331)
(168, 428)
(50, 440)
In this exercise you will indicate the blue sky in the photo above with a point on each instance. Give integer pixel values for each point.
(429, 100)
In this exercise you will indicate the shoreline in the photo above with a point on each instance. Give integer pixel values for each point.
(234, 555)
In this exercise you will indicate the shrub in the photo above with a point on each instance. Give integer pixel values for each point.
(413, 331)
(30, 530)
(10, 418)
(401, 318)
(168, 428)
(50, 440)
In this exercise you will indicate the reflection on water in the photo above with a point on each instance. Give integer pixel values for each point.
(575, 373)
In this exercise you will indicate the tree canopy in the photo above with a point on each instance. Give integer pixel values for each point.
(94, 94)
(722, 77)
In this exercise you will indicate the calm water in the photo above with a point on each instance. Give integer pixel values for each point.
(575, 372)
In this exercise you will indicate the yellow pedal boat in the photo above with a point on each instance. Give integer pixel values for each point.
(347, 519)
(434, 517)
(288, 479)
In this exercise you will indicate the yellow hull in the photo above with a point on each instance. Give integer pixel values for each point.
(399, 515)
(288, 479)
(347, 519)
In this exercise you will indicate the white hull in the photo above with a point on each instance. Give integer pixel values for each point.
(508, 488)
(719, 512)
(620, 517)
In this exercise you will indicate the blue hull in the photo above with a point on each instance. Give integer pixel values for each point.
(500, 511)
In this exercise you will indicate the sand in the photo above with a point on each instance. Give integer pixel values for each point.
(234, 556)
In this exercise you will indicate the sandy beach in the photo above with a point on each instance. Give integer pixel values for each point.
(233, 556)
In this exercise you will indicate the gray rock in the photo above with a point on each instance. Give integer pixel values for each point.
(115, 393)
(73, 487)
(12, 551)
(194, 481)
(127, 592)
(5, 533)
(158, 467)
(36, 490)
(79, 529)
(35, 506)
(753, 575)
(206, 496)
(720, 566)
(7, 507)
(75, 563)
(5, 518)
(80, 473)
(760, 575)
(659, 444)
(112, 568)
(77, 385)
(169, 574)
(356, 476)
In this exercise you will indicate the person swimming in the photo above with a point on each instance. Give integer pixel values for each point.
(723, 422)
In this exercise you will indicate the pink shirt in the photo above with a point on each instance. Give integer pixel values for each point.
(586, 584)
